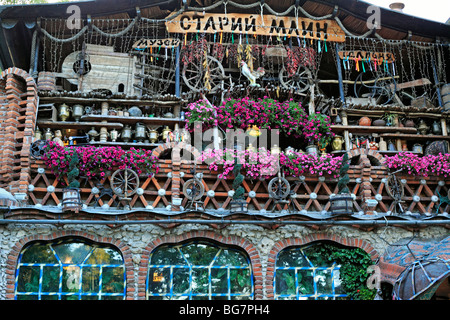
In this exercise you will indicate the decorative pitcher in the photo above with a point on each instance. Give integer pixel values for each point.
(140, 133)
(77, 112)
(126, 133)
(337, 143)
(63, 111)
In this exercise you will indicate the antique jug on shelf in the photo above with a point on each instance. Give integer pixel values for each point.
(63, 112)
(77, 112)
(382, 145)
(409, 123)
(126, 133)
(48, 135)
(153, 135)
(140, 132)
(436, 128)
(103, 134)
(104, 108)
(423, 128)
(165, 133)
(337, 143)
(114, 134)
(289, 151)
(92, 133)
(391, 146)
(38, 134)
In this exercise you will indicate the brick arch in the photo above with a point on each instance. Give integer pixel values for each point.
(366, 153)
(176, 145)
(242, 243)
(13, 255)
(291, 242)
(20, 73)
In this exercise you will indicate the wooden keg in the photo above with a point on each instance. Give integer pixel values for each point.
(71, 200)
(46, 81)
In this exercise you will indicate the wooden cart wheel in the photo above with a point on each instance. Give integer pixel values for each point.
(193, 189)
(300, 81)
(194, 75)
(37, 148)
(395, 188)
(279, 188)
(124, 182)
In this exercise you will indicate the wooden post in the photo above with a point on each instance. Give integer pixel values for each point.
(341, 86)
(312, 108)
(346, 136)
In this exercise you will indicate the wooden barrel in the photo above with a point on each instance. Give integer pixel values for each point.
(445, 95)
(71, 200)
(46, 81)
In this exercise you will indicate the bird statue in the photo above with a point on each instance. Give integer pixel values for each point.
(251, 75)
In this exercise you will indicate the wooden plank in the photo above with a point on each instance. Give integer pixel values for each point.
(369, 129)
(366, 55)
(255, 24)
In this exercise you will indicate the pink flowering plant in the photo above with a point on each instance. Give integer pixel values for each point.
(263, 164)
(317, 130)
(429, 165)
(95, 162)
(255, 164)
(297, 164)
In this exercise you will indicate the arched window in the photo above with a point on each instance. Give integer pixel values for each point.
(71, 269)
(199, 271)
(307, 273)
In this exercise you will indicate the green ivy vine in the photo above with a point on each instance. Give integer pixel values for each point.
(353, 272)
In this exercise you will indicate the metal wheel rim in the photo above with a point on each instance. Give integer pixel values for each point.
(279, 189)
(391, 181)
(197, 186)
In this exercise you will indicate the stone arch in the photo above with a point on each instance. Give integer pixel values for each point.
(176, 145)
(242, 243)
(371, 155)
(291, 242)
(13, 256)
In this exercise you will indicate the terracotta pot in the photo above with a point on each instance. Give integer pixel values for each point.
(365, 121)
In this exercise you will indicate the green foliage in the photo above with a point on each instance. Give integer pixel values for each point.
(73, 172)
(239, 178)
(343, 176)
(353, 273)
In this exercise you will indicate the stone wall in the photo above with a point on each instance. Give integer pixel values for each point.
(136, 242)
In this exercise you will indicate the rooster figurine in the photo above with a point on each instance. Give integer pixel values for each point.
(251, 75)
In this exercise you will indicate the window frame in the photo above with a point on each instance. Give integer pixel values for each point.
(39, 294)
(333, 269)
(190, 294)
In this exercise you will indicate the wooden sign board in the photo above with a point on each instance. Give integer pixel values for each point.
(147, 43)
(365, 55)
(254, 24)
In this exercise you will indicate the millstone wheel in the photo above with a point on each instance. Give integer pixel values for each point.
(37, 148)
(193, 189)
(124, 182)
(194, 75)
(279, 188)
(299, 82)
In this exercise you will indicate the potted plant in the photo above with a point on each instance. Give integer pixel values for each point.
(71, 195)
(342, 202)
(317, 132)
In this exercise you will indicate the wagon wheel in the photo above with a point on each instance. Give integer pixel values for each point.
(124, 182)
(384, 87)
(279, 188)
(194, 75)
(37, 148)
(395, 188)
(300, 81)
(193, 189)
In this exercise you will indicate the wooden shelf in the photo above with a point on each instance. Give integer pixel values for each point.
(128, 102)
(372, 129)
(374, 114)
(338, 152)
(77, 125)
(126, 144)
(414, 136)
(132, 120)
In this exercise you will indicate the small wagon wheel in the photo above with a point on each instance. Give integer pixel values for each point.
(194, 75)
(395, 188)
(37, 148)
(279, 188)
(300, 81)
(193, 189)
(124, 182)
